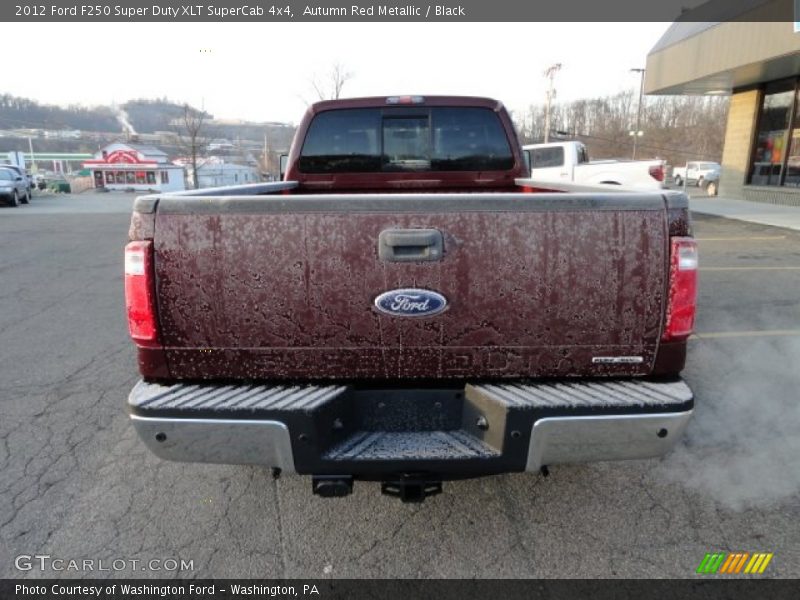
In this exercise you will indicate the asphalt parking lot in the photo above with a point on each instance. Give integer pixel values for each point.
(75, 482)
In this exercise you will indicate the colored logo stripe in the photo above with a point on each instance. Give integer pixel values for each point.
(711, 562)
(758, 563)
(733, 563)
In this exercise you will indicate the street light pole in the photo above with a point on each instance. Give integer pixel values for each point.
(637, 132)
(551, 93)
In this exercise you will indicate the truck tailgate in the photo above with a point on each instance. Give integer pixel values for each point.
(537, 285)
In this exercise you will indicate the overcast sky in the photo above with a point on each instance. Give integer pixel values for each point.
(261, 71)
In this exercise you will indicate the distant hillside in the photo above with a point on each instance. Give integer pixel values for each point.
(144, 116)
(16, 113)
(149, 116)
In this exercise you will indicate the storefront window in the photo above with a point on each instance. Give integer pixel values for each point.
(151, 177)
(120, 177)
(772, 141)
(164, 176)
(130, 177)
(109, 177)
(793, 160)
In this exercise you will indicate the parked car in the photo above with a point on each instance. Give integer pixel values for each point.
(569, 162)
(408, 306)
(13, 187)
(694, 173)
(28, 194)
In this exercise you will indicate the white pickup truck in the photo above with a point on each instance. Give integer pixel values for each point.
(569, 162)
(696, 173)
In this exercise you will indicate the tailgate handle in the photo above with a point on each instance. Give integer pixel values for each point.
(410, 245)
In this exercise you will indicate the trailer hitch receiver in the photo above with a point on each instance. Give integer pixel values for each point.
(412, 488)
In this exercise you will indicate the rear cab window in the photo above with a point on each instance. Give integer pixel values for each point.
(406, 139)
(542, 158)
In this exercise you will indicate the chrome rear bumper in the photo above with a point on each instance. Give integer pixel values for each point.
(475, 430)
(559, 440)
(224, 441)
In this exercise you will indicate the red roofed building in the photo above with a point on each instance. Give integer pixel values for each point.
(121, 166)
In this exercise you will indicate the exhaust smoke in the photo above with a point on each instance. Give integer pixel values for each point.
(742, 448)
(124, 120)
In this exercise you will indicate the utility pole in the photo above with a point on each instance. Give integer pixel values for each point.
(551, 94)
(33, 159)
(638, 132)
(266, 156)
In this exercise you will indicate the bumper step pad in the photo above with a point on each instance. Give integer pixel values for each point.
(238, 398)
(411, 445)
(600, 395)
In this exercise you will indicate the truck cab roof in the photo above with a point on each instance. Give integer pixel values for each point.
(455, 143)
(406, 100)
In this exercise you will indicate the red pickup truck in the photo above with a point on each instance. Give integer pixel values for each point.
(406, 307)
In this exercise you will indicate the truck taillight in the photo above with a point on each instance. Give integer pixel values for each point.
(657, 172)
(682, 302)
(140, 293)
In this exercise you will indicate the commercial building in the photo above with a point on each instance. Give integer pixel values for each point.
(214, 172)
(122, 166)
(753, 56)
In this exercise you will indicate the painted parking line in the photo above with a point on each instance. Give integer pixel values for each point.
(750, 268)
(745, 334)
(766, 238)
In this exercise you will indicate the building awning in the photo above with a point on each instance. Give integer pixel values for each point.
(151, 166)
(697, 58)
(70, 156)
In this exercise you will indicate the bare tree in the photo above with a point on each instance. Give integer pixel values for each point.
(330, 86)
(677, 128)
(191, 138)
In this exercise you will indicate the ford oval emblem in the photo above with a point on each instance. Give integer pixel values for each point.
(411, 302)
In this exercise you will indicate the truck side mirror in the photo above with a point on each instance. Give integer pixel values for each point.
(284, 161)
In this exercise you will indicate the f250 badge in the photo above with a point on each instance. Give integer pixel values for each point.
(411, 302)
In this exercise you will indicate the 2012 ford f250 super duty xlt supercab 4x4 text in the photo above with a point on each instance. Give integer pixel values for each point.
(408, 307)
